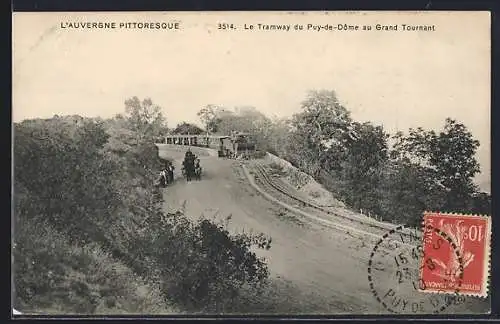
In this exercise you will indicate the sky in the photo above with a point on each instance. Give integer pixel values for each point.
(398, 79)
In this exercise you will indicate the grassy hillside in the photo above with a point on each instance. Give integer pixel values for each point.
(91, 237)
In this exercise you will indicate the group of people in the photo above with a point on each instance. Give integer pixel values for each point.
(191, 166)
(167, 174)
(190, 169)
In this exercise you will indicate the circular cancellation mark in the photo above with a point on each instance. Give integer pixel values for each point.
(395, 267)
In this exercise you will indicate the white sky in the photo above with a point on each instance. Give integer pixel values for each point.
(398, 79)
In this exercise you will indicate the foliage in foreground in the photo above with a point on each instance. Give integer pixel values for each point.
(90, 234)
(53, 276)
(205, 267)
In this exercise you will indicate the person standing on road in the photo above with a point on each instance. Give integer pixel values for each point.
(163, 178)
(170, 171)
(197, 168)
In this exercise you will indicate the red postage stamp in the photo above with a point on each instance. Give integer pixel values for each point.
(456, 254)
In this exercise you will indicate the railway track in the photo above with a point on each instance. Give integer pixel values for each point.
(353, 223)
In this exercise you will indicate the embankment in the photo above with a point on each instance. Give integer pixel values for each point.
(302, 182)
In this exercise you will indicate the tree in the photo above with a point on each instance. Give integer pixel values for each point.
(406, 190)
(246, 119)
(481, 203)
(81, 204)
(209, 118)
(323, 125)
(74, 189)
(362, 164)
(187, 128)
(229, 121)
(278, 136)
(145, 118)
(453, 154)
(448, 157)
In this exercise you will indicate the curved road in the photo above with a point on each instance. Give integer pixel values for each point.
(316, 269)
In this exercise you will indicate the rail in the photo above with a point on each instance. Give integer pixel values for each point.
(264, 177)
(365, 221)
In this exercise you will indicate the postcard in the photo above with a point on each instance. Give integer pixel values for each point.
(272, 163)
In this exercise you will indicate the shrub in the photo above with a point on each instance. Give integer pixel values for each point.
(90, 230)
(202, 266)
(52, 275)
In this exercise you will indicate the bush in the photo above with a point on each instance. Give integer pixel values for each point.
(54, 276)
(203, 266)
(90, 230)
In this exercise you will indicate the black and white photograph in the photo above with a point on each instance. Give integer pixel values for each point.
(251, 163)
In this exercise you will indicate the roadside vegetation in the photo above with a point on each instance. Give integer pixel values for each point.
(90, 235)
(394, 177)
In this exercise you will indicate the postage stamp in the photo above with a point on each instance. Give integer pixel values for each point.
(153, 148)
(468, 247)
(394, 269)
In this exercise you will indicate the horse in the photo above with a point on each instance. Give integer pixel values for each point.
(188, 170)
(187, 173)
(170, 173)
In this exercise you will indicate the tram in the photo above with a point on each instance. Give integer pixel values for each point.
(237, 144)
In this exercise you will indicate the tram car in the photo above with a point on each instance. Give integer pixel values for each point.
(243, 144)
(235, 145)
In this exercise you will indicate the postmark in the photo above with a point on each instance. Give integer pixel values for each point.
(469, 238)
(394, 269)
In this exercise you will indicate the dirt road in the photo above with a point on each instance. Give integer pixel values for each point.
(316, 269)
